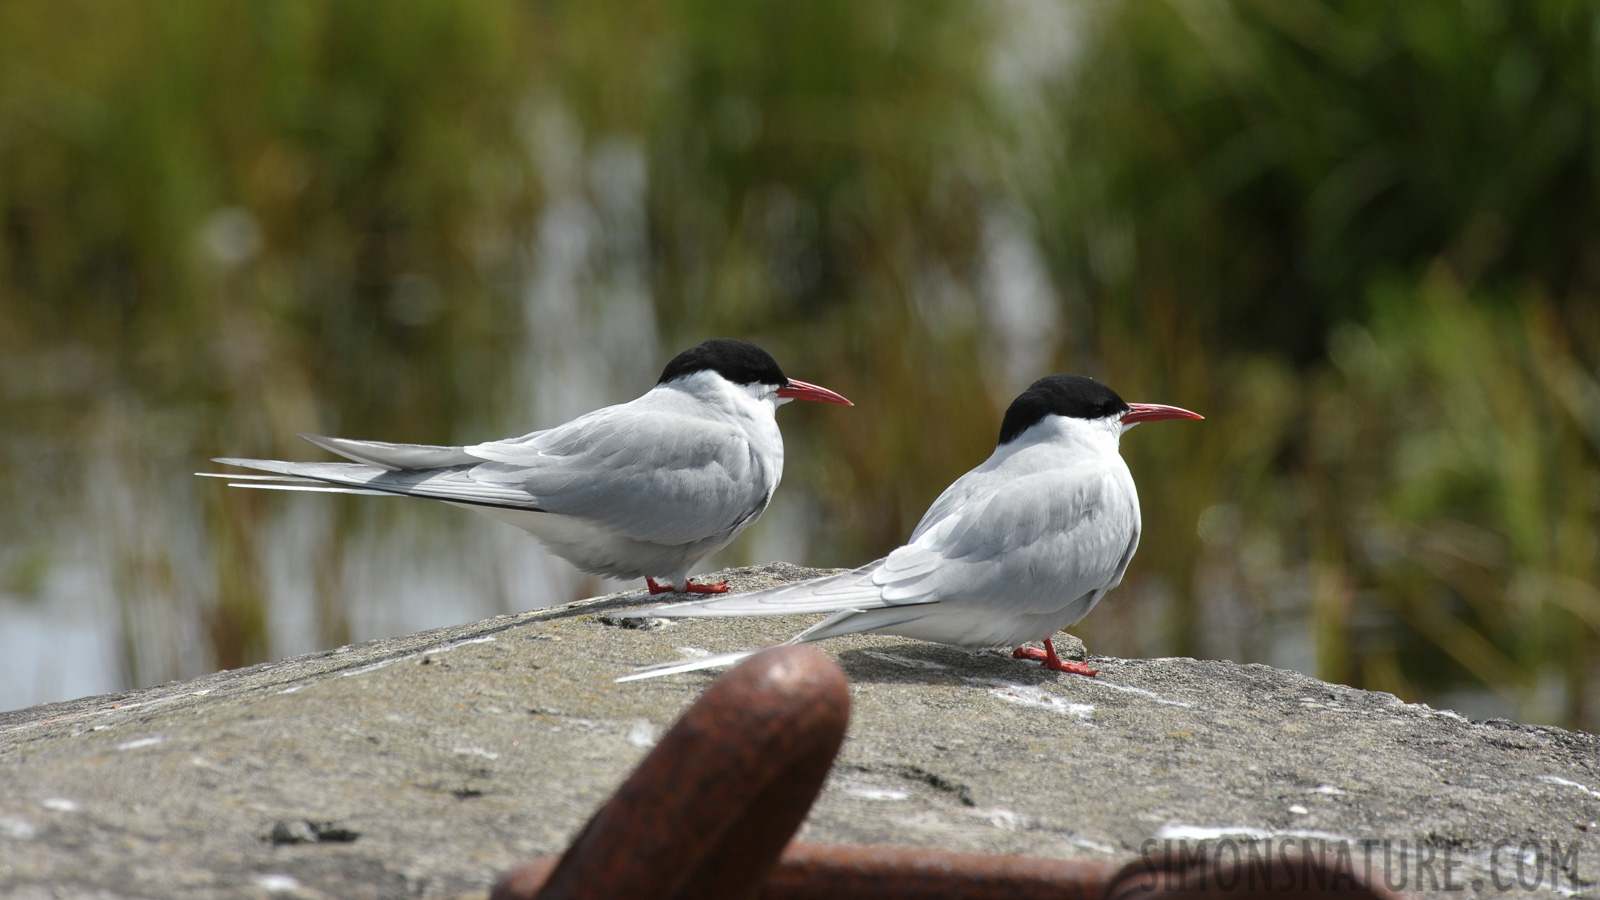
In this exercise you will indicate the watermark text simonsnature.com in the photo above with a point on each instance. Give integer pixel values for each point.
(1282, 863)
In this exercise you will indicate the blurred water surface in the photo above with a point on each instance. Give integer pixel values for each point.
(1361, 238)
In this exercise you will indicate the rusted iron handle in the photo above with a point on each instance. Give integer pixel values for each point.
(835, 872)
(707, 812)
(864, 872)
(829, 872)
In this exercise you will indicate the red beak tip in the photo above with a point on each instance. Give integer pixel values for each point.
(1155, 412)
(802, 390)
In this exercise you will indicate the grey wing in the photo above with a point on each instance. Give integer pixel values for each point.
(1033, 544)
(651, 475)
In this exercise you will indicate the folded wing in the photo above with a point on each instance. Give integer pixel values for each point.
(649, 474)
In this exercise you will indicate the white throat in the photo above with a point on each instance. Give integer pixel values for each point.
(754, 400)
(1096, 436)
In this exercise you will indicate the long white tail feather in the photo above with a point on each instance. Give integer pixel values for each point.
(450, 484)
(863, 621)
(344, 473)
(727, 659)
(849, 590)
(281, 479)
(312, 488)
(692, 665)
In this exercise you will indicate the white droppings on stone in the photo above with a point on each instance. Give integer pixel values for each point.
(642, 734)
(430, 651)
(476, 751)
(1448, 714)
(1004, 819)
(875, 794)
(1151, 695)
(1327, 789)
(1209, 833)
(904, 661)
(292, 689)
(1096, 846)
(1299, 810)
(141, 743)
(276, 882)
(17, 828)
(1555, 779)
(1037, 698)
(694, 652)
(59, 804)
(1177, 832)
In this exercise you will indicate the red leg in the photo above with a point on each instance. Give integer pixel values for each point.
(657, 588)
(1052, 661)
(1048, 657)
(690, 587)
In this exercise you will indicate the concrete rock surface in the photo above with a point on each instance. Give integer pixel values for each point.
(423, 766)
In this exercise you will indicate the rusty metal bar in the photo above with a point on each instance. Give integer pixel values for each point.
(833, 872)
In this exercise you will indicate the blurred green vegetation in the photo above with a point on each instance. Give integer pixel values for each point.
(1360, 237)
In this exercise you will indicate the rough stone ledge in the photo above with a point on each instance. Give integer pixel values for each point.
(422, 766)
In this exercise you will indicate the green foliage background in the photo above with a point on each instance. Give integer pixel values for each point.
(1361, 237)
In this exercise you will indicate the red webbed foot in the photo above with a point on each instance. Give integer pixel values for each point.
(1051, 661)
(658, 588)
(690, 587)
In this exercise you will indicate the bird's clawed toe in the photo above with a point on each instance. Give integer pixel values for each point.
(1076, 668)
(1048, 658)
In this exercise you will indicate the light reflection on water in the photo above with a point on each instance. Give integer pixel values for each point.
(126, 542)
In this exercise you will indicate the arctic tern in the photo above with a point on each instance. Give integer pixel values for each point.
(1015, 550)
(644, 489)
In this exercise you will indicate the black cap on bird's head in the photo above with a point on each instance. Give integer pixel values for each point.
(1078, 397)
(743, 363)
